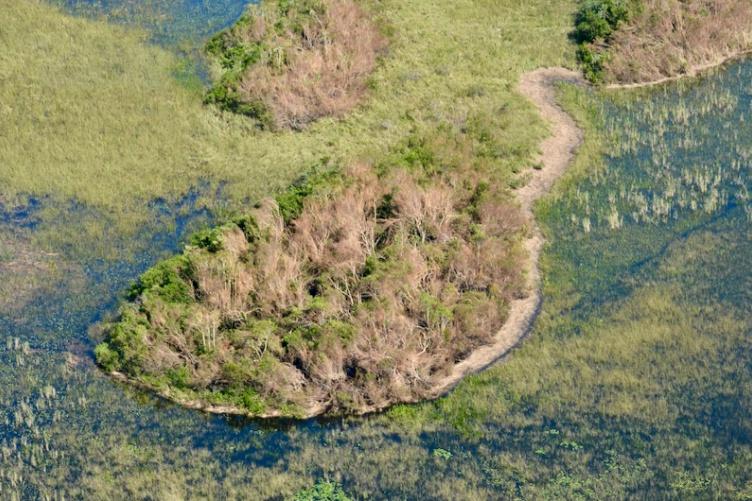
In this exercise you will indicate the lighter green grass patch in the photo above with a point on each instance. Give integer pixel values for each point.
(90, 111)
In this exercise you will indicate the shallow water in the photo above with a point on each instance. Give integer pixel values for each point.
(180, 25)
(183, 23)
(653, 247)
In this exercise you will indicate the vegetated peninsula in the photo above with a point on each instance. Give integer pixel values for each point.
(362, 285)
(350, 291)
(642, 41)
(287, 63)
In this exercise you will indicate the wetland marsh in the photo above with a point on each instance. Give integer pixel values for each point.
(636, 377)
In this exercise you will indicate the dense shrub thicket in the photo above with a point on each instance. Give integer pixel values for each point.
(599, 18)
(350, 291)
(289, 62)
(633, 41)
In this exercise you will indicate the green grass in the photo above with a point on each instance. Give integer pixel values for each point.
(91, 112)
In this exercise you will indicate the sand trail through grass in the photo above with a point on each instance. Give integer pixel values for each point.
(557, 151)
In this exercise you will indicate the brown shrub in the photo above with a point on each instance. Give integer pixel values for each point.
(671, 37)
(369, 295)
(322, 70)
(407, 334)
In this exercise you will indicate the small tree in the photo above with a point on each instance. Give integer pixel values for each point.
(324, 490)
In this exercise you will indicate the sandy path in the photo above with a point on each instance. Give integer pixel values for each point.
(556, 153)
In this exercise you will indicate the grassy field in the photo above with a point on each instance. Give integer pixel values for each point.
(92, 113)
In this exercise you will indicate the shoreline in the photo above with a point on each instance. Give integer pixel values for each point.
(694, 72)
(557, 152)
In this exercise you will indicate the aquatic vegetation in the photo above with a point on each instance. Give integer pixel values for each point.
(113, 208)
(661, 137)
(27, 271)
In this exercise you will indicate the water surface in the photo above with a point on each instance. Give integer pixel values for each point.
(177, 23)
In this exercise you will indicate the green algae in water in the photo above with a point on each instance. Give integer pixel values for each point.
(637, 380)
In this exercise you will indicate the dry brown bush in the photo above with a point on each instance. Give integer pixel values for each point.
(671, 37)
(369, 295)
(406, 334)
(322, 70)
